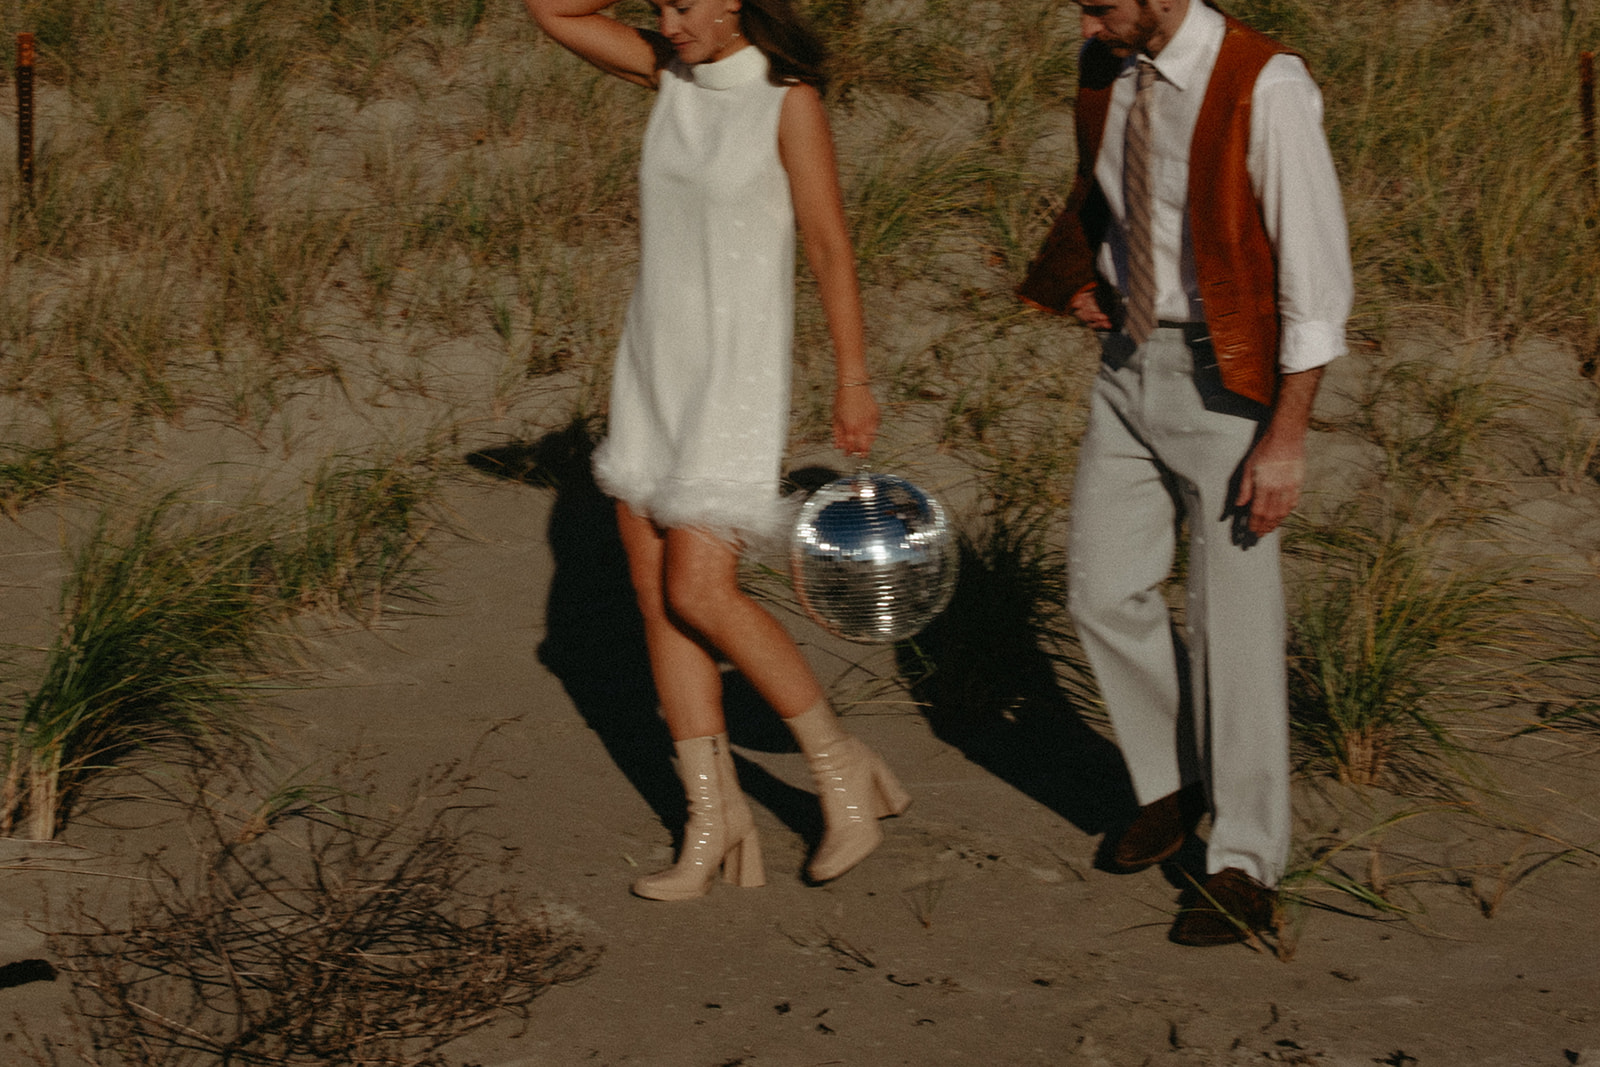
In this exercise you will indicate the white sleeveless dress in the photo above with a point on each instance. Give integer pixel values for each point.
(700, 396)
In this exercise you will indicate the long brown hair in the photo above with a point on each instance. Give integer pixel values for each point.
(792, 48)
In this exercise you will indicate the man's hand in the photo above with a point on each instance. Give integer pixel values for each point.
(1275, 470)
(1086, 309)
(1271, 483)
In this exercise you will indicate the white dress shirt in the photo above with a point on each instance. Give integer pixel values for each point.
(1291, 174)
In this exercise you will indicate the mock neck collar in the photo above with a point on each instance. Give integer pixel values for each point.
(747, 64)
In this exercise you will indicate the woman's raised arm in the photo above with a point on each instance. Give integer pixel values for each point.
(577, 25)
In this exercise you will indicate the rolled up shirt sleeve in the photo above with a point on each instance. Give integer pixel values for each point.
(1291, 169)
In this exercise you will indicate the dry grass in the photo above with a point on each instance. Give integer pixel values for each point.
(310, 926)
(398, 201)
(158, 626)
(1391, 643)
(1465, 182)
(169, 613)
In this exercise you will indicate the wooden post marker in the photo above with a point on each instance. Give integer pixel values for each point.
(25, 110)
(1586, 109)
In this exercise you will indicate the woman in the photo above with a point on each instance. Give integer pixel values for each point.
(737, 156)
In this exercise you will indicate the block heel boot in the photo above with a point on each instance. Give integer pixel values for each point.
(719, 833)
(855, 786)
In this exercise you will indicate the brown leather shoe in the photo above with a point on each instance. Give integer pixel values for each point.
(1159, 830)
(1226, 909)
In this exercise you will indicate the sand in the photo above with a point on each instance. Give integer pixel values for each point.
(981, 930)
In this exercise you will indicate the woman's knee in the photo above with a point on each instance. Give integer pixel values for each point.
(701, 579)
(699, 599)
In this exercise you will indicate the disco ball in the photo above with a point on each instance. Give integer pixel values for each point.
(873, 557)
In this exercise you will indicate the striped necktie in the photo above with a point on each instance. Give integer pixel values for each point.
(1136, 190)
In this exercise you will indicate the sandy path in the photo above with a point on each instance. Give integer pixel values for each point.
(980, 931)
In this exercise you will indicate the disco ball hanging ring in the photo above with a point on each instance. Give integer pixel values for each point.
(874, 558)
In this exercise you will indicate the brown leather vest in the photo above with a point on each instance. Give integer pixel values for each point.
(1234, 263)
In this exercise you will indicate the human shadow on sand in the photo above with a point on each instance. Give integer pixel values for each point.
(980, 672)
(595, 645)
(989, 688)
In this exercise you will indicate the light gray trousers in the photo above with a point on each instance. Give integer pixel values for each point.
(1153, 452)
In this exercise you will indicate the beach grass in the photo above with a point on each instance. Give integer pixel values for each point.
(238, 206)
(1390, 644)
(159, 627)
(355, 545)
(174, 609)
(30, 470)
(1467, 186)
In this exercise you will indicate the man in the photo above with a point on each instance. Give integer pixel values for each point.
(1205, 239)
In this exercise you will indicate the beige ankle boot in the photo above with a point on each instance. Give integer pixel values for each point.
(720, 831)
(855, 787)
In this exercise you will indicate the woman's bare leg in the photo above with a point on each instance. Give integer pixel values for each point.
(688, 588)
(687, 585)
(688, 681)
(719, 832)
(854, 786)
(702, 590)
